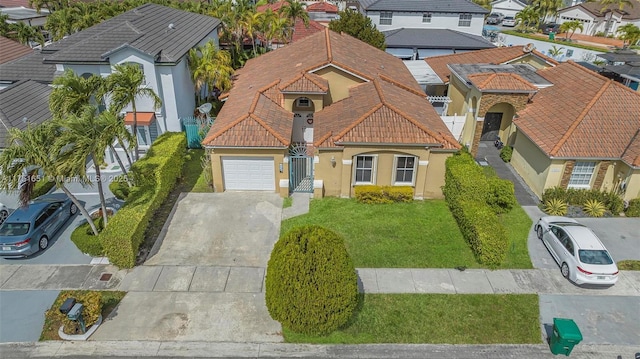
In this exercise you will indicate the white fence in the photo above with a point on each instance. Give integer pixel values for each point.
(455, 124)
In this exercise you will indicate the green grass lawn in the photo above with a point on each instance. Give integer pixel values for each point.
(437, 318)
(420, 234)
(629, 265)
(193, 175)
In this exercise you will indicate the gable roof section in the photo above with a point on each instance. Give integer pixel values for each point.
(322, 6)
(499, 55)
(435, 39)
(13, 110)
(449, 6)
(145, 28)
(256, 95)
(502, 82)
(583, 108)
(28, 67)
(12, 50)
(595, 8)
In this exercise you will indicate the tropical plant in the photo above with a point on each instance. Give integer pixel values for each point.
(555, 207)
(311, 284)
(359, 26)
(571, 26)
(594, 208)
(555, 51)
(547, 8)
(620, 3)
(30, 151)
(294, 10)
(528, 17)
(124, 85)
(86, 137)
(268, 26)
(72, 92)
(251, 23)
(210, 69)
(25, 34)
(629, 34)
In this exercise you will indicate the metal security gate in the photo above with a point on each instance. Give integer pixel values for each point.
(300, 169)
(196, 129)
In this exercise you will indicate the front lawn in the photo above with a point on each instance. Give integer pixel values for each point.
(420, 234)
(437, 318)
(629, 265)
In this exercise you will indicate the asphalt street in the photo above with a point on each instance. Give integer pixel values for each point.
(22, 314)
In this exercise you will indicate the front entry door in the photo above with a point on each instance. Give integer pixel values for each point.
(491, 126)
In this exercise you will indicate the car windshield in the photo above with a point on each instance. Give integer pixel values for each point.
(594, 256)
(14, 229)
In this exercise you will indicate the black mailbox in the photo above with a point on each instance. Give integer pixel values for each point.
(67, 305)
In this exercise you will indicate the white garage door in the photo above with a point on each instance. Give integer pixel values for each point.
(248, 174)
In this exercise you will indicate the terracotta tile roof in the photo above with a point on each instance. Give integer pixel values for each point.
(275, 7)
(583, 115)
(12, 50)
(306, 82)
(498, 55)
(300, 31)
(503, 82)
(15, 3)
(256, 98)
(323, 6)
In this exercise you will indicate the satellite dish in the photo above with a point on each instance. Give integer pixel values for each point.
(205, 108)
(528, 47)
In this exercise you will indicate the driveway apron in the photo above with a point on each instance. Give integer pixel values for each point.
(229, 237)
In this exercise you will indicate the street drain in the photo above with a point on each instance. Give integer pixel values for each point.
(105, 277)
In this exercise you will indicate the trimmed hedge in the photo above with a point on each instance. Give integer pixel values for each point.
(506, 153)
(634, 208)
(311, 285)
(155, 174)
(120, 188)
(475, 201)
(579, 197)
(86, 242)
(383, 194)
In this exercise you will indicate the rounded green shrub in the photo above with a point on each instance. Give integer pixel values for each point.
(505, 153)
(120, 188)
(502, 196)
(311, 284)
(633, 210)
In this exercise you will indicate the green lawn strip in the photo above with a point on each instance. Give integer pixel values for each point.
(438, 318)
(629, 264)
(287, 202)
(518, 224)
(193, 175)
(110, 299)
(420, 234)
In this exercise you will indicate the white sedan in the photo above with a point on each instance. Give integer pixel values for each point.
(4, 213)
(583, 259)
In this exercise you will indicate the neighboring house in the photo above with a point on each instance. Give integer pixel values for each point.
(15, 3)
(26, 15)
(25, 103)
(12, 50)
(569, 126)
(322, 11)
(324, 115)
(623, 66)
(300, 30)
(459, 15)
(156, 38)
(417, 44)
(596, 21)
(507, 7)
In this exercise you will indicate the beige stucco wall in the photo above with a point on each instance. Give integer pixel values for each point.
(339, 83)
(338, 180)
(278, 158)
(618, 174)
(532, 164)
(290, 99)
(458, 94)
(633, 185)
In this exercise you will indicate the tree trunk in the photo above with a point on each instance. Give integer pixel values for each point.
(103, 206)
(83, 210)
(126, 151)
(135, 129)
(124, 170)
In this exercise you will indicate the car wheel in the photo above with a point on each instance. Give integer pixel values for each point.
(564, 269)
(3, 216)
(43, 243)
(73, 209)
(539, 231)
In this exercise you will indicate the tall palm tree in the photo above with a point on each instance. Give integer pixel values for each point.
(528, 17)
(72, 92)
(210, 67)
(24, 33)
(547, 7)
(251, 23)
(267, 22)
(571, 26)
(294, 10)
(124, 85)
(33, 149)
(621, 4)
(630, 34)
(5, 26)
(86, 137)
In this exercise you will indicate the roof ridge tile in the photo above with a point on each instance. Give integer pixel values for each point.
(269, 129)
(328, 40)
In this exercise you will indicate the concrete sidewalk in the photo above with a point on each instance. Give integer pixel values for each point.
(251, 280)
(156, 349)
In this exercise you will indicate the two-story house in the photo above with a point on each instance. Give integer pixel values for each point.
(597, 19)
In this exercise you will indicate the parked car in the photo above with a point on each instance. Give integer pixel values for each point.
(551, 27)
(494, 18)
(4, 213)
(509, 21)
(582, 258)
(29, 229)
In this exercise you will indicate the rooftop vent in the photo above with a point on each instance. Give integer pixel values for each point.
(172, 26)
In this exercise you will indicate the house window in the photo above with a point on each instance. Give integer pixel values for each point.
(365, 169)
(303, 102)
(386, 17)
(146, 133)
(464, 20)
(581, 175)
(405, 167)
(426, 17)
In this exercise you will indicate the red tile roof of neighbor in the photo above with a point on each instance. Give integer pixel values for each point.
(388, 107)
(15, 3)
(12, 50)
(323, 6)
(583, 115)
(300, 30)
(275, 6)
(495, 56)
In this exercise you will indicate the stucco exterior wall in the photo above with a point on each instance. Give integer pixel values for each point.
(633, 185)
(278, 158)
(457, 93)
(289, 102)
(339, 83)
(531, 164)
(438, 21)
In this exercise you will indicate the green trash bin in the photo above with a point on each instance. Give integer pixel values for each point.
(552, 35)
(565, 336)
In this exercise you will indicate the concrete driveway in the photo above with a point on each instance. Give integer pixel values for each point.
(224, 240)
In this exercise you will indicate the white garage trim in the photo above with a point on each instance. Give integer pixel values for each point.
(248, 173)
